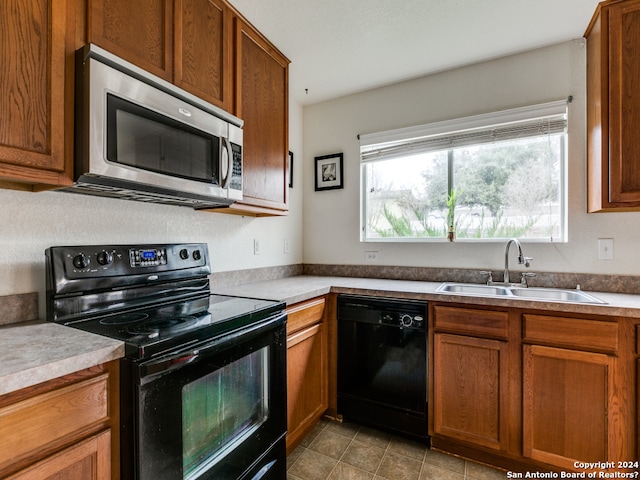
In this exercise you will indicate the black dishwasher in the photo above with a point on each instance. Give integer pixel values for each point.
(382, 363)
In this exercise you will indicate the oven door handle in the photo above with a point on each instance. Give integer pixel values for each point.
(181, 359)
(166, 364)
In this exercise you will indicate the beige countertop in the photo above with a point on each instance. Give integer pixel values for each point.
(34, 352)
(299, 288)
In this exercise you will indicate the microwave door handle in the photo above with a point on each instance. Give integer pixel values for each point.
(226, 180)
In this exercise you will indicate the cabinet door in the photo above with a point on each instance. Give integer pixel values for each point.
(624, 115)
(307, 381)
(566, 406)
(262, 102)
(613, 107)
(140, 32)
(33, 78)
(202, 43)
(87, 460)
(470, 390)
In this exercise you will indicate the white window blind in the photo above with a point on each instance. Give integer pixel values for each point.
(532, 121)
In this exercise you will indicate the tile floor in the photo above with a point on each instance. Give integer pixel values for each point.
(343, 451)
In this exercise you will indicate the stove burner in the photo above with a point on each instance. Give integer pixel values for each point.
(163, 325)
(124, 318)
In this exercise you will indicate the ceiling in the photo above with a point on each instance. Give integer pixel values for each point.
(339, 47)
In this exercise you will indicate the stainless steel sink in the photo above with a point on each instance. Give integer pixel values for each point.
(552, 294)
(573, 296)
(474, 289)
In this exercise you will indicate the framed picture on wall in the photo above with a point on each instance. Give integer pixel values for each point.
(329, 172)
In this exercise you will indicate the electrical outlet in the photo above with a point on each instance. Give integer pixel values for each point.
(285, 246)
(371, 256)
(605, 249)
(256, 246)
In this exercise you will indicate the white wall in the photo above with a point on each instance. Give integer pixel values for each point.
(331, 218)
(31, 222)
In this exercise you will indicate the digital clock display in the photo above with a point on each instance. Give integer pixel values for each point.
(148, 254)
(148, 257)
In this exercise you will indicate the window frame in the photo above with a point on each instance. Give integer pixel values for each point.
(450, 127)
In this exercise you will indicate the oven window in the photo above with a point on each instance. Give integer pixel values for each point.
(222, 409)
(141, 138)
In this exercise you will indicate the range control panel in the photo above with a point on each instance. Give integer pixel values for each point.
(129, 263)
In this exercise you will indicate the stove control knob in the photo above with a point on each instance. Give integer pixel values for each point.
(105, 258)
(406, 320)
(197, 255)
(184, 254)
(81, 261)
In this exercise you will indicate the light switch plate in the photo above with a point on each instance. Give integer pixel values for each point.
(605, 249)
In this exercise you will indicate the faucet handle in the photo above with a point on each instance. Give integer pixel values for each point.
(489, 276)
(522, 260)
(523, 278)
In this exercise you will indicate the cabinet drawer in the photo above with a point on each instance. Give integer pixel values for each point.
(88, 460)
(472, 321)
(51, 418)
(304, 314)
(577, 333)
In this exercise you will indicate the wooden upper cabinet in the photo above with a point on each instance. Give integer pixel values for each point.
(613, 107)
(262, 102)
(140, 32)
(36, 92)
(202, 50)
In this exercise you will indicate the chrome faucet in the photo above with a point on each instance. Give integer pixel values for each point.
(522, 260)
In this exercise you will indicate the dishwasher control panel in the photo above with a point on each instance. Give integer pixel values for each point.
(384, 311)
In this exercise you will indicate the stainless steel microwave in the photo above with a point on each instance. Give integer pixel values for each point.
(141, 138)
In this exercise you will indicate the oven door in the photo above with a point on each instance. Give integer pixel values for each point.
(217, 410)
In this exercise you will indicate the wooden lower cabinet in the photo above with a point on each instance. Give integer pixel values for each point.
(534, 390)
(470, 395)
(470, 389)
(567, 408)
(307, 373)
(66, 428)
(88, 460)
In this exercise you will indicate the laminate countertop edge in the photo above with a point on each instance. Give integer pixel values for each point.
(34, 352)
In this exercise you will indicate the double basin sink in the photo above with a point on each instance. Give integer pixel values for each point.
(550, 294)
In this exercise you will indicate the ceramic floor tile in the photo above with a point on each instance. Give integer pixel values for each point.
(346, 451)
(433, 472)
(330, 444)
(312, 466)
(408, 448)
(373, 437)
(347, 429)
(306, 441)
(363, 456)
(399, 467)
(443, 460)
(476, 471)
(293, 456)
(344, 471)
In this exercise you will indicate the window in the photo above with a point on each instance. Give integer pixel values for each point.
(492, 176)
